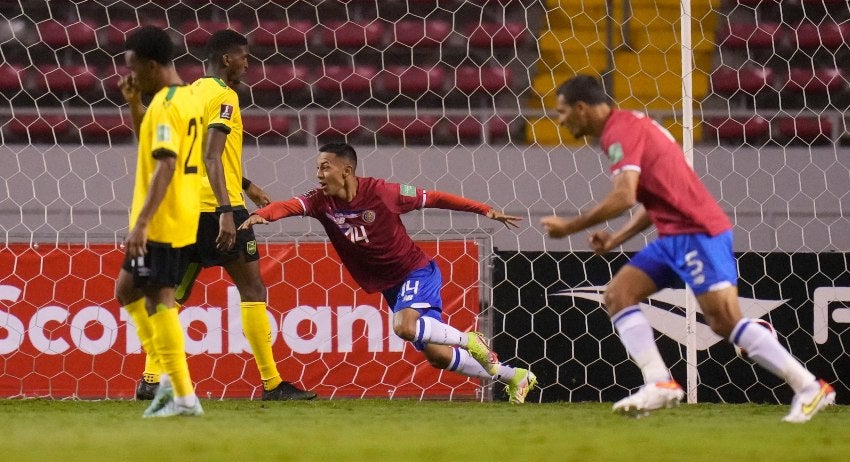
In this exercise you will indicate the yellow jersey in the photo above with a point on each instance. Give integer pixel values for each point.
(222, 112)
(173, 125)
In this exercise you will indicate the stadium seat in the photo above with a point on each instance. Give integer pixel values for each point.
(57, 35)
(10, 78)
(118, 29)
(196, 33)
(351, 34)
(750, 79)
(346, 79)
(490, 78)
(282, 33)
(409, 127)
(39, 129)
(110, 128)
(338, 126)
(496, 34)
(190, 72)
(64, 79)
(471, 128)
(421, 33)
(752, 129)
(810, 35)
(276, 77)
(815, 80)
(806, 129)
(414, 80)
(738, 35)
(266, 128)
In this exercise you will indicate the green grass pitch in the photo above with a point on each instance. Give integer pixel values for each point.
(399, 430)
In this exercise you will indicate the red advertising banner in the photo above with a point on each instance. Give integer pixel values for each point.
(63, 334)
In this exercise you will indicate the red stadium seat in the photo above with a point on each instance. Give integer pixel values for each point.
(119, 29)
(470, 127)
(806, 129)
(496, 34)
(104, 128)
(338, 126)
(64, 79)
(346, 79)
(816, 80)
(810, 35)
(276, 77)
(39, 129)
(491, 79)
(738, 128)
(749, 35)
(190, 72)
(57, 35)
(352, 34)
(273, 128)
(196, 33)
(413, 80)
(283, 33)
(10, 78)
(409, 127)
(421, 33)
(750, 79)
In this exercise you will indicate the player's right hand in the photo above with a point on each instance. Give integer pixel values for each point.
(253, 220)
(601, 242)
(129, 90)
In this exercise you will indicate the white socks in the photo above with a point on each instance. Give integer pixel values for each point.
(636, 335)
(768, 353)
(430, 330)
(464, 364)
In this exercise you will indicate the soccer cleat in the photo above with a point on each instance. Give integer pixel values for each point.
(658, 395)
(287, 392)
(523, 382)
(479, 349)
(164, 395)
(172, 409)
(808, 402)
(145, 391)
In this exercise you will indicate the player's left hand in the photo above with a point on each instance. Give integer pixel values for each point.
(258, 196)
(508, 220)
(226, 238)
(600, 241)
(137, 241)
(556, 226)
(253, 220)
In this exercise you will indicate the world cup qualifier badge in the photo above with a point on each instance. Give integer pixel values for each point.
(226, 111)
(251, 247)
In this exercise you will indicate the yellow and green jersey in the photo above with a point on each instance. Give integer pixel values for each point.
(222, 112)
(173, 125)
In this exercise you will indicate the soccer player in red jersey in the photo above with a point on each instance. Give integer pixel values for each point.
(362, 218)
(694, 245)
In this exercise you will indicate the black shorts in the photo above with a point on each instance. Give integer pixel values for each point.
(159, 267)
(204, 250)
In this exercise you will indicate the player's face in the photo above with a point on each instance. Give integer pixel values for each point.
(236, 61)
(144, 72)
(572, 117)
(331, 172)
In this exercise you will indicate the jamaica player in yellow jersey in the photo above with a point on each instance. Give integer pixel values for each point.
(222, 209)
(164, 214)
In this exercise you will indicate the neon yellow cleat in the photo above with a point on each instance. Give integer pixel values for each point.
(808, 402)
(523, 382)
(479, 349)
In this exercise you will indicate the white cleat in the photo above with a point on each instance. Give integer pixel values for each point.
(808, 402)
(172, 409)
(658, 395)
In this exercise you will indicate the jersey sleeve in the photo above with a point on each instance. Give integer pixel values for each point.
(166, 136)
(220, 110)
(311, 201)
(403, 198)
(624, 145)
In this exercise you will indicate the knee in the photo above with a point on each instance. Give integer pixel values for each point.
(616, 299)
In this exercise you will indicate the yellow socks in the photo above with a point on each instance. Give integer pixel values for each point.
(139, 314)
(170, 346)
(258, 331)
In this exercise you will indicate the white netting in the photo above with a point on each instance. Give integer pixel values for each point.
(441, 94)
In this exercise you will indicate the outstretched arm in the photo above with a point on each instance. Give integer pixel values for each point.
(273, 212)
(620, 199)
(443, 200)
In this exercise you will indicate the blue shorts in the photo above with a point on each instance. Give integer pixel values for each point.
(420, 290)
(703, 262)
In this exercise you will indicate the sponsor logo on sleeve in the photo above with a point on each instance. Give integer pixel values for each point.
(408, 190)
(226, 111)
(163, 133)
(615, 153)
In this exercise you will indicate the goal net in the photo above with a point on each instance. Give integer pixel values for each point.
(449, 95)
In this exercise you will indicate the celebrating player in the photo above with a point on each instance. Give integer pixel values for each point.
(164, 214)
(222, 209)
(362, 218)
(694, 245)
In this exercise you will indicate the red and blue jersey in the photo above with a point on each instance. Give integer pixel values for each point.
(675, 199)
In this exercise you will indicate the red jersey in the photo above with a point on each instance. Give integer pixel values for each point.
(674, 197)
(367, 232)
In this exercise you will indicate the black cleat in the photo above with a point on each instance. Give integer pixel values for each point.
(288, 392)
(145, 391)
